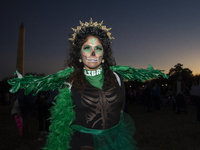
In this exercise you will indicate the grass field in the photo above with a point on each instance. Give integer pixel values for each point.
(158, 130)
(164, 130)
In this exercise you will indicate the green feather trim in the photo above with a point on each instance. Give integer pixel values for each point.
(132, 74)
(37, 84)
(62, 117)
(55, 81)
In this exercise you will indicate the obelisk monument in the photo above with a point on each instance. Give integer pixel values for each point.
(20, 51)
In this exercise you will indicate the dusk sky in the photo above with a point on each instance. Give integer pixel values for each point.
(157, 32)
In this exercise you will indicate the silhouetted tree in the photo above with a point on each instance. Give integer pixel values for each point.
(177, 71)
(4, 86)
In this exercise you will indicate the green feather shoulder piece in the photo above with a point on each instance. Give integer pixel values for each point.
(55, 81)
(37, 84)
(131, 74)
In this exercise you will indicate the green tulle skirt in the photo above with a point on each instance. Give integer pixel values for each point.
(119, 137)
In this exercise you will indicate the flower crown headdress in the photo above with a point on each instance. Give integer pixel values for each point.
(90, 24)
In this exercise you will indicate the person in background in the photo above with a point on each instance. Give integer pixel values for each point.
(179, 88)
(147, 98)
(156, 96)
(42, 112)
(195, 93)
(28, 108)
(17, 114)
(7, 98)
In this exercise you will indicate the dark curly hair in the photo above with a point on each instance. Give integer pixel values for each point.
(74, 55)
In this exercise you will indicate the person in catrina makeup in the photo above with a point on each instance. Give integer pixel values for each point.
(98, 96)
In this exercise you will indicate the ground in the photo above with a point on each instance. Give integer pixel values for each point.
(157, 130)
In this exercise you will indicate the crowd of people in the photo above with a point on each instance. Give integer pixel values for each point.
(32, 113)
(148, 95)
(152, 96)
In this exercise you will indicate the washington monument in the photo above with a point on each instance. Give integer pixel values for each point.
(20, 51)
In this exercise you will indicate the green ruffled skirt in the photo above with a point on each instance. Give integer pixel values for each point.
(119, 137)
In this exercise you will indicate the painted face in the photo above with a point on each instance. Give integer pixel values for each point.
(92, 53)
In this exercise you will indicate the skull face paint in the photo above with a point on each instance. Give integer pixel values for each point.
(92, 53)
